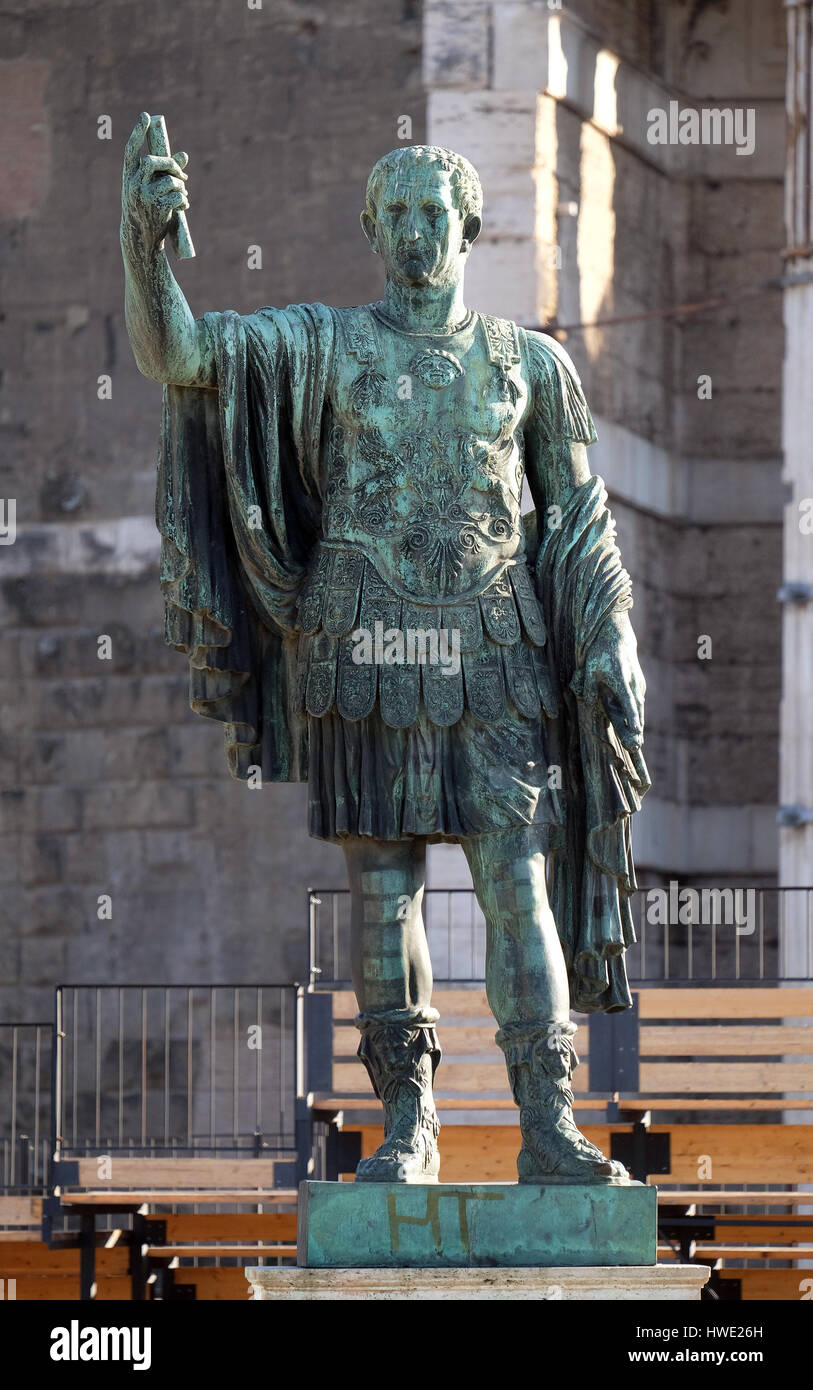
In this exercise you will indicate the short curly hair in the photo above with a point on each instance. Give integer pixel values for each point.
(466, 187)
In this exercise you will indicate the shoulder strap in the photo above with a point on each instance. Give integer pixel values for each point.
(503, 341)
(361, 334)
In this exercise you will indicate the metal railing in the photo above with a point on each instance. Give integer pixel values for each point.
(717, 935)
(186, 1070)
(25, 1105)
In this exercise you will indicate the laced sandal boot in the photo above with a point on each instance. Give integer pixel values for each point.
(401, 1053)
(540, 1058)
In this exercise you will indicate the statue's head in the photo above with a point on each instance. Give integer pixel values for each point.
(423, 213)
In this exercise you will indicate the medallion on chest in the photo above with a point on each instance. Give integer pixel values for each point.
(437, 368)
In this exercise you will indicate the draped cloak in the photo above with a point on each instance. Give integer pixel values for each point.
(239, 503)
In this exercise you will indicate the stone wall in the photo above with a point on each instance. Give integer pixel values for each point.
(110, 785)
(588, 222)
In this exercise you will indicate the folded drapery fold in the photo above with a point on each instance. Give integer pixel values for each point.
(238, 507)
(580, 581)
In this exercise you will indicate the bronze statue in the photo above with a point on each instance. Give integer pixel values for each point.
(331, 474)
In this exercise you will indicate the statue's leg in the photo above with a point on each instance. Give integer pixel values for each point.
(392, 977)
(526, 983)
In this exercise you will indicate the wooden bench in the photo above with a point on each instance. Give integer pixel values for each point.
(250, 1237)
(754, 1058)
(705, 1232)
(20, 1219)
(36, 1272)
(140, 1187)
(705, 1024)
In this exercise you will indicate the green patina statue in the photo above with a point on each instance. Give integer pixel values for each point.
(338, 486)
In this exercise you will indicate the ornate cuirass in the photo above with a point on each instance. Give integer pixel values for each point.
(422, 469)
(423, 461)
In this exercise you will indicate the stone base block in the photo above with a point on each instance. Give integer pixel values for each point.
(372, 1225)
(672, 1283)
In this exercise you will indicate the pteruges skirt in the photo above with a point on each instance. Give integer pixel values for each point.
(441, 783)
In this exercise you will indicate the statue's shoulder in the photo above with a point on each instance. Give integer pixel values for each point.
(559, 400)
(548, 358)
(297, 331)
(357, 326)
(315, 314)
(354, 313)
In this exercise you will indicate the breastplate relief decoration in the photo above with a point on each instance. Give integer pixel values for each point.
(424, 458)
(437, 368)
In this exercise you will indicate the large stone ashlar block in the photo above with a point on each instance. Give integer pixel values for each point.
(437, 1225)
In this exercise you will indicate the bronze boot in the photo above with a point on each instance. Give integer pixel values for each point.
(540, 1059)
(401, 1053)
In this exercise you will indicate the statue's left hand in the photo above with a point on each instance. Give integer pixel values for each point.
(613, 678)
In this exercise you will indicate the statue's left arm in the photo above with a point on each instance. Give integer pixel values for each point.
(556, 438)
(586, 594)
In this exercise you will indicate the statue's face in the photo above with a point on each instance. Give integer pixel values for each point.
(418, 232)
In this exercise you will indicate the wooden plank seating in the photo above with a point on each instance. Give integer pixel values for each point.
(743, 1050)
(35, 1271)
(209, 1284)
(200, 1250)
(30, 1258)
(40, 1273)
(215, 1174)
(761, 1285)
(488, 1153)
(251, 1237)
(733, 1064)
(141, 1187)
(20, 1219)
(249, 1227)
(63, 1288)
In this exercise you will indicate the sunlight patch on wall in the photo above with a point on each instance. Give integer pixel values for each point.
(596, 232)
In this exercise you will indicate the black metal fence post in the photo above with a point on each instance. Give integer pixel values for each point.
(23, 1176)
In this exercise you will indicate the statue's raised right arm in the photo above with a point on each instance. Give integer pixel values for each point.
(168, 343)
